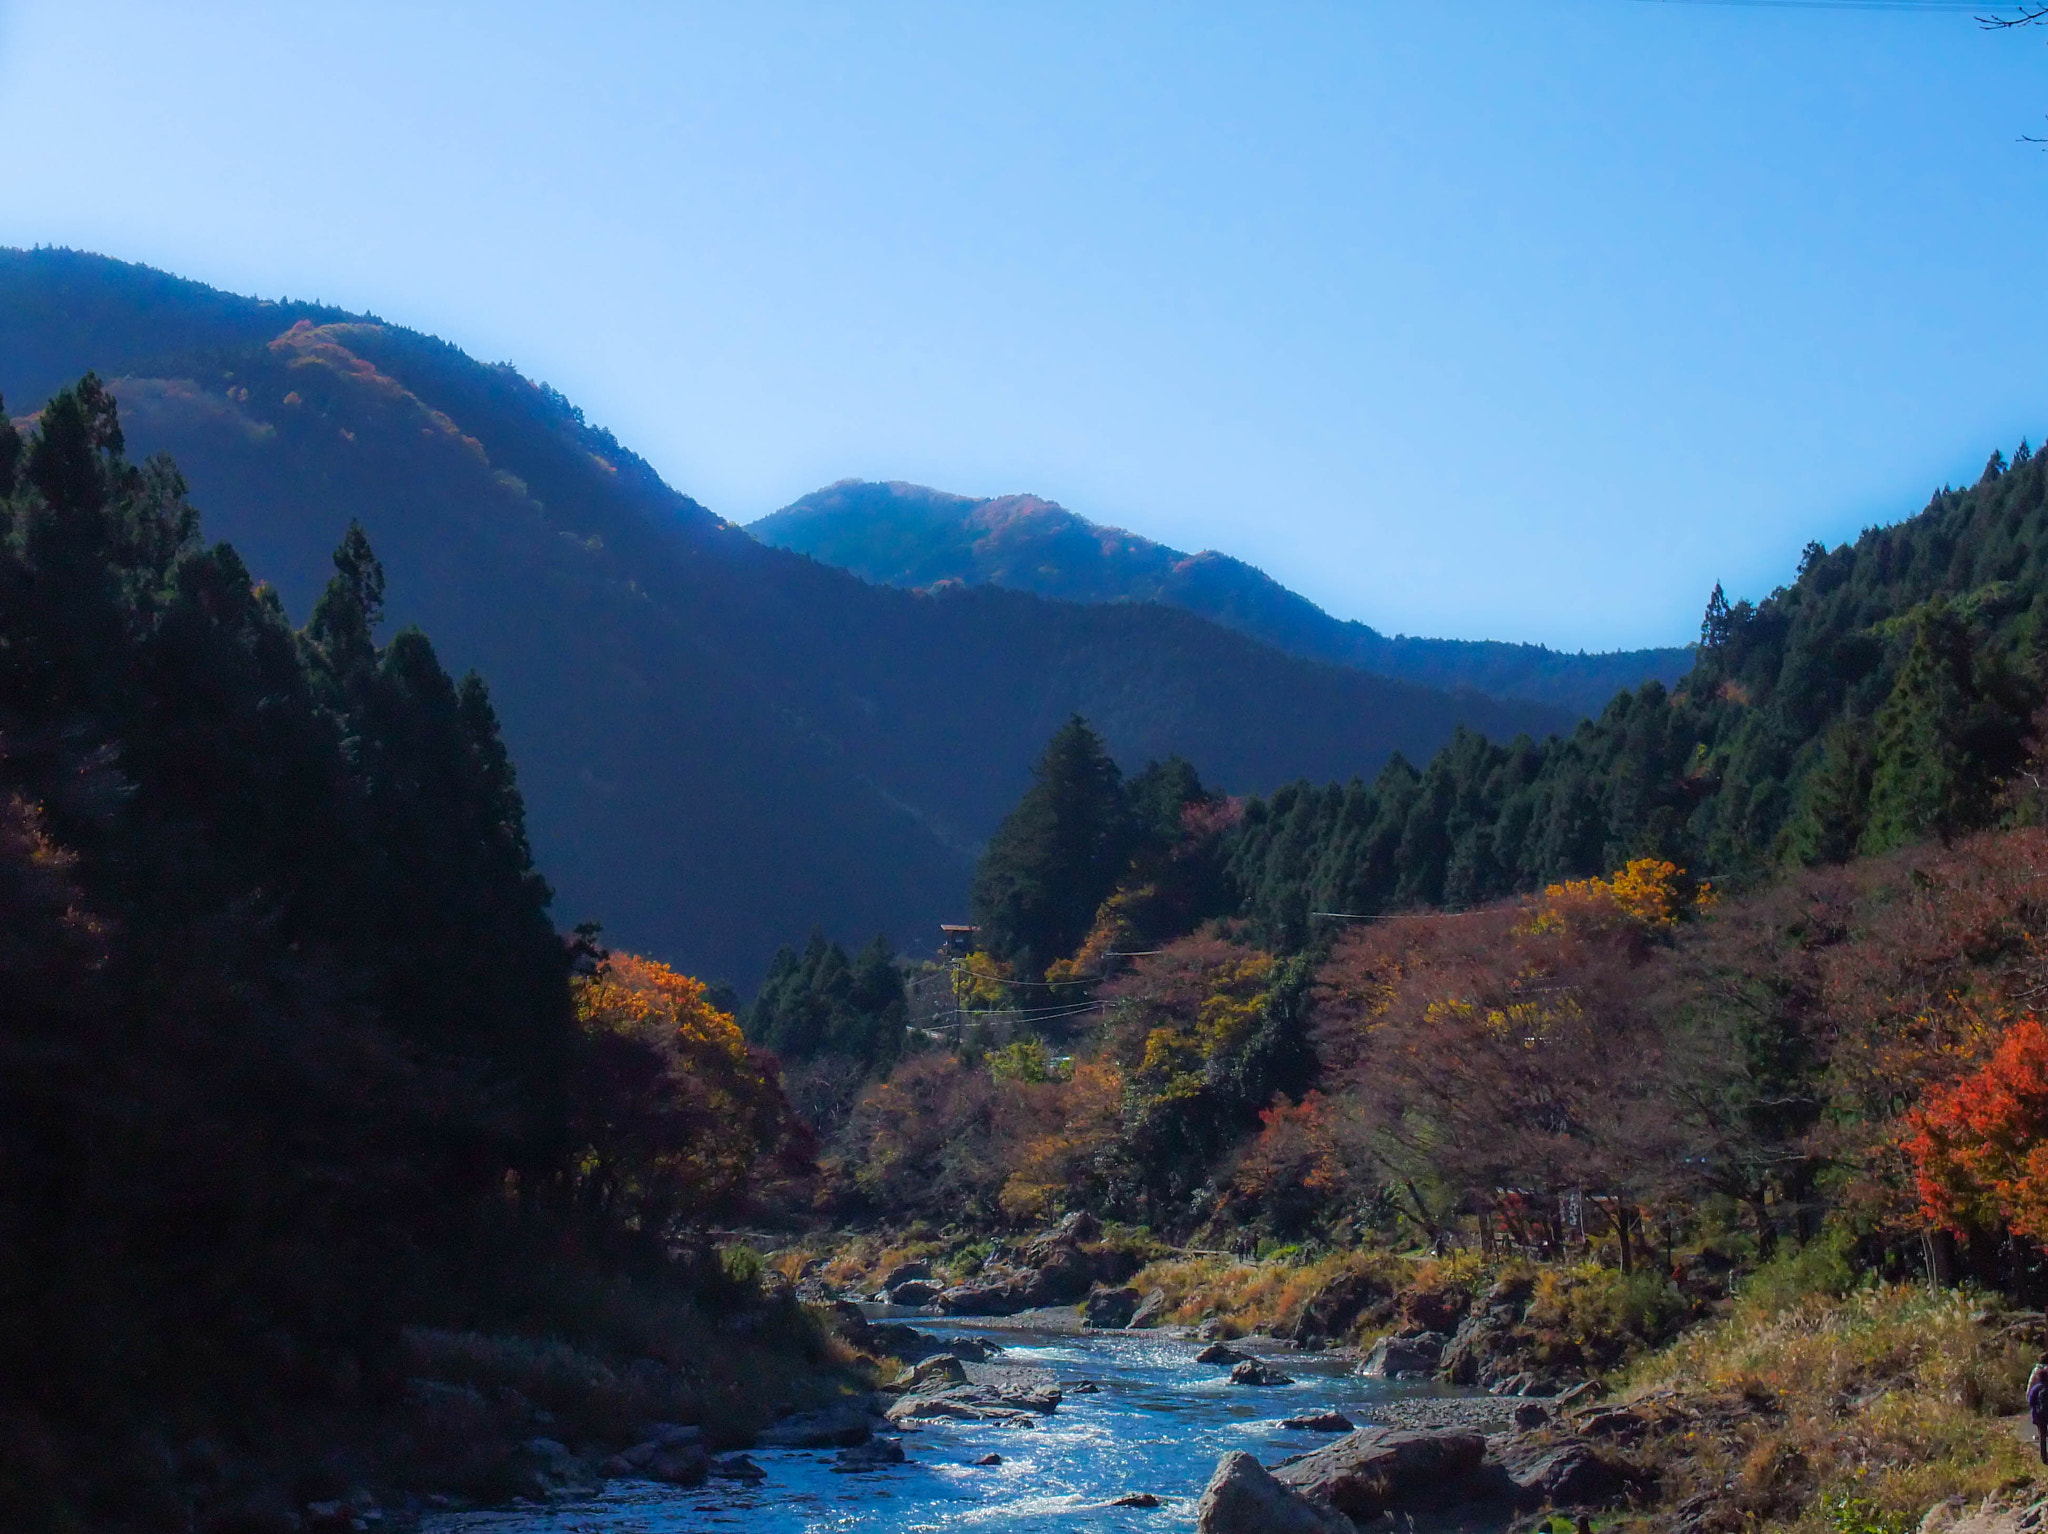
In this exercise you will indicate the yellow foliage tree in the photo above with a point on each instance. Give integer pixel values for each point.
(981, 981)
(1648, 893)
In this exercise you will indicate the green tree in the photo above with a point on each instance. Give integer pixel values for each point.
(1718, 624)
(1833, 800)
(820, 1002)
(1057, 856)
(1922, 782)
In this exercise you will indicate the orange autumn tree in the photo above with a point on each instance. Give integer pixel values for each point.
(676, 1117)
(1979, 1146)
(1063, 1167)
(1303, 1161)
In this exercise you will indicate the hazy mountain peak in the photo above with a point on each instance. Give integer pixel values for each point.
(899, 534)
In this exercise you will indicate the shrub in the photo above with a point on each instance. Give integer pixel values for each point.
(1824, 1266)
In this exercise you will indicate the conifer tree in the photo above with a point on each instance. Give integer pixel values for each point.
(1718, 623)
(1058, 854)
(1921, 783)
(10, 455)
(1834, 800)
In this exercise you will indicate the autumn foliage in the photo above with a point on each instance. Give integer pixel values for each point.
(676, 1115)
(1979, 1145)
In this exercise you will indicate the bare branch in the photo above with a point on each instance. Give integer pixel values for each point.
(2027, 16)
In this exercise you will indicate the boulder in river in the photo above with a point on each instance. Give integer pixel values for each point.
(869, 1456)
(737, 1467)
(672, 1452)
(1377, 1469)
(1220, 1353)
(1436, 1310)
(1339, 1305)
(1254, 1372)
(1136, 1499)
(1569, 1473)
(1057, 1268)
(977, 1403)
(1484, 1348)
(1243, 1497)
(678, 1464)
(851, 1322)
(893, 1339)
(914, 1291)
(1002, 1294)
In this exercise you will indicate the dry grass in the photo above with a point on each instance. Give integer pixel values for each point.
(1825, 1413)
(1244, 1297)
(857, 1262)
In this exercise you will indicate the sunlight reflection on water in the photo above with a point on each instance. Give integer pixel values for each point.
(1158, 1425)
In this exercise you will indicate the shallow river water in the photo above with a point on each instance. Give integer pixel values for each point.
(1157, 1425)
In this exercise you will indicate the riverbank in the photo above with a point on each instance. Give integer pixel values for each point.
(1525, 1328)
(445, 1420)
(1790, 1398)
(1124, 1431)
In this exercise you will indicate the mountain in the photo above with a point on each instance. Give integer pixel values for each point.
(720, 744)
(906, 535)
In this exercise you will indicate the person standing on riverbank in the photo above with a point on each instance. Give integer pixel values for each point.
(2037, 1405)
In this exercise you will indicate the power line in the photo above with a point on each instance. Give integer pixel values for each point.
(1006, 980)
(960, 1018)
(1032, 1014)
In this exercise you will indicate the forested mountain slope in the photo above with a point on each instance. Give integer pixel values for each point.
(906, 535)
(1887, 695)
(719, 743)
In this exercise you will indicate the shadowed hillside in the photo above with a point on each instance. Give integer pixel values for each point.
(907, 535)
(720, 743)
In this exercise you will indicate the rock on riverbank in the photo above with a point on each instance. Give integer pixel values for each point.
(1405, 1472)
(1059, 1268)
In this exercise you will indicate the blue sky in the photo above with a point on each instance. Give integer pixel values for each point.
(1515, 321)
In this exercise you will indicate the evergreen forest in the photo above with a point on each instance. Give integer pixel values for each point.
(301, 1091)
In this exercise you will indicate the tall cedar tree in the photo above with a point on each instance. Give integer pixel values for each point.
(280, 1004)
(1057, 856)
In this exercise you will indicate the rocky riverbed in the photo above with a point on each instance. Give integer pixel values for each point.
(1007, 1424)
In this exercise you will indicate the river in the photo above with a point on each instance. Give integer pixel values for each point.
(1156, 1424)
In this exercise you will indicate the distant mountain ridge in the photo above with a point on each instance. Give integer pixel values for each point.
(899, 534)
(720, 744)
